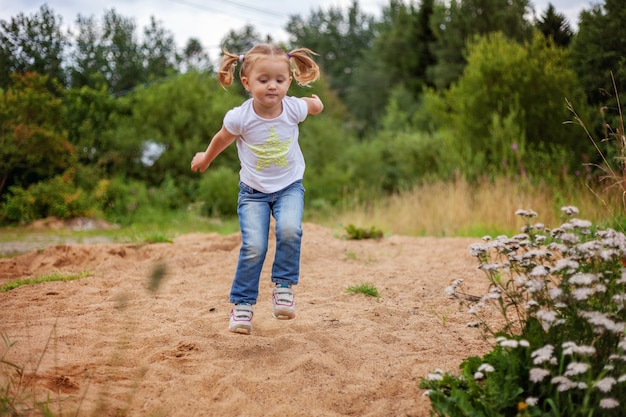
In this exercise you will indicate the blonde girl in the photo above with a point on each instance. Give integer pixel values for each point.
(265, 129)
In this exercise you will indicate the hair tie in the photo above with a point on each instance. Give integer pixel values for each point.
(241, 57)
(288, 55)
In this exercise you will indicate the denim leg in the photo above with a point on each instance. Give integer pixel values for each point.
(254, 220)
(288, 207)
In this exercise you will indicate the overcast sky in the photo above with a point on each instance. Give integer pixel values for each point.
(210, 20)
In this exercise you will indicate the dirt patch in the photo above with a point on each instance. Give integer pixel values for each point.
(107, 343)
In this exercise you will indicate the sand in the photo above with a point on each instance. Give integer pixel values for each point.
(108, 345)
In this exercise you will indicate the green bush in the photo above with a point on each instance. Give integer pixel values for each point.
(121, 200)
(218, 191)
(57, 197)
(560, 349)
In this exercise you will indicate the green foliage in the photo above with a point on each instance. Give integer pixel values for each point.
(513, 95)
(32, 44)
(33, 145)
(407, 28)
(339, 38)
(554, 26)
(368, 290)
(458, 21)
(359, 233)
(560, 342)
(218, 190)
(597, 50)
(57, 197)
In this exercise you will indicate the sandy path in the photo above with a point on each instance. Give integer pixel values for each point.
(105, 343)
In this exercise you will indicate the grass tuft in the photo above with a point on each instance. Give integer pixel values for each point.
(11, 285)
(367, 289)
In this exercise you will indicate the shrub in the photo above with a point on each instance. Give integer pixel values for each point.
(560, 348)
(57, 197)
(218, 191)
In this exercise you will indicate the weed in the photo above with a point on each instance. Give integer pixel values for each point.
(367, 289)
(11, 285)
(358, 233)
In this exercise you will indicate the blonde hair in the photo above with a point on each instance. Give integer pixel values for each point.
(301, 64)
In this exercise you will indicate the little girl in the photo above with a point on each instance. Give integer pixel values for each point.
(265, 128)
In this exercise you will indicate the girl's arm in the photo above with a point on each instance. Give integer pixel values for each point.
(314, 103)
(220, 141)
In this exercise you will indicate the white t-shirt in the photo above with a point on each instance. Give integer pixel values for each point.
(268, 149)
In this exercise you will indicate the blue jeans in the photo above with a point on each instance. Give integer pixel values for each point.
(254, 210)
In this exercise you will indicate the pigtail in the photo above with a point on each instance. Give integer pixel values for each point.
(305, 70)
(225, 75)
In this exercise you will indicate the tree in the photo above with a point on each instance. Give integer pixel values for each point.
(555, 26)
(340, 40)
(598, 50)
(109, 49)
(195, 57)
(32, 44)
(457, 23)
(513, 94)
(33, 144)
(159, 51)
(404, 43)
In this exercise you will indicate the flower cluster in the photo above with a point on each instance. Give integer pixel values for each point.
(562, 296)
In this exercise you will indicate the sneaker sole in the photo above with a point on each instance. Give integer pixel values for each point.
(284, 315)
(241, 329)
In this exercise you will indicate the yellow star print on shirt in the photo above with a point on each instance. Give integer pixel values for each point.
(272, 152)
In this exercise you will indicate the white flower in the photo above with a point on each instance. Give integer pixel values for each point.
(570, 238)
(535, 285)
(583, 279)
(546, 316)
(581, 294)
(538, 374)
(581, 224)
(564, 383)
(539, 271)
(478, 249)
(449, 290)
(434, 377)
(569, 348)
(605, 384)
(509, 343)
(602, 321)
(542, 355)
(576, 368)
(524, 343)
(565, 265)
(526, 213)
(569, 210)
(608, 403)
(485, 367)
(532, 401)
(479, 375)
(555, 293)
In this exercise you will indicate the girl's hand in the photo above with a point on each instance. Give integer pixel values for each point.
(315, 104)
(198, 163)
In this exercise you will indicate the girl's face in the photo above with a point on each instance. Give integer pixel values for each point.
(268, 81)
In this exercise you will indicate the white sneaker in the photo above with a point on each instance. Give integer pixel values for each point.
(241, 319)
(284, 303)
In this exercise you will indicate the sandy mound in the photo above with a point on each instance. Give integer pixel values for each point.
(105, 343)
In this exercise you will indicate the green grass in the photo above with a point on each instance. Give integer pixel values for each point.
(11, 285)
(366, 289)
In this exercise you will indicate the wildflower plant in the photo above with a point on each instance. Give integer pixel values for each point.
(559, 343)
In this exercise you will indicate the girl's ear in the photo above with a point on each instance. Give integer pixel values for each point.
(244, 81)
